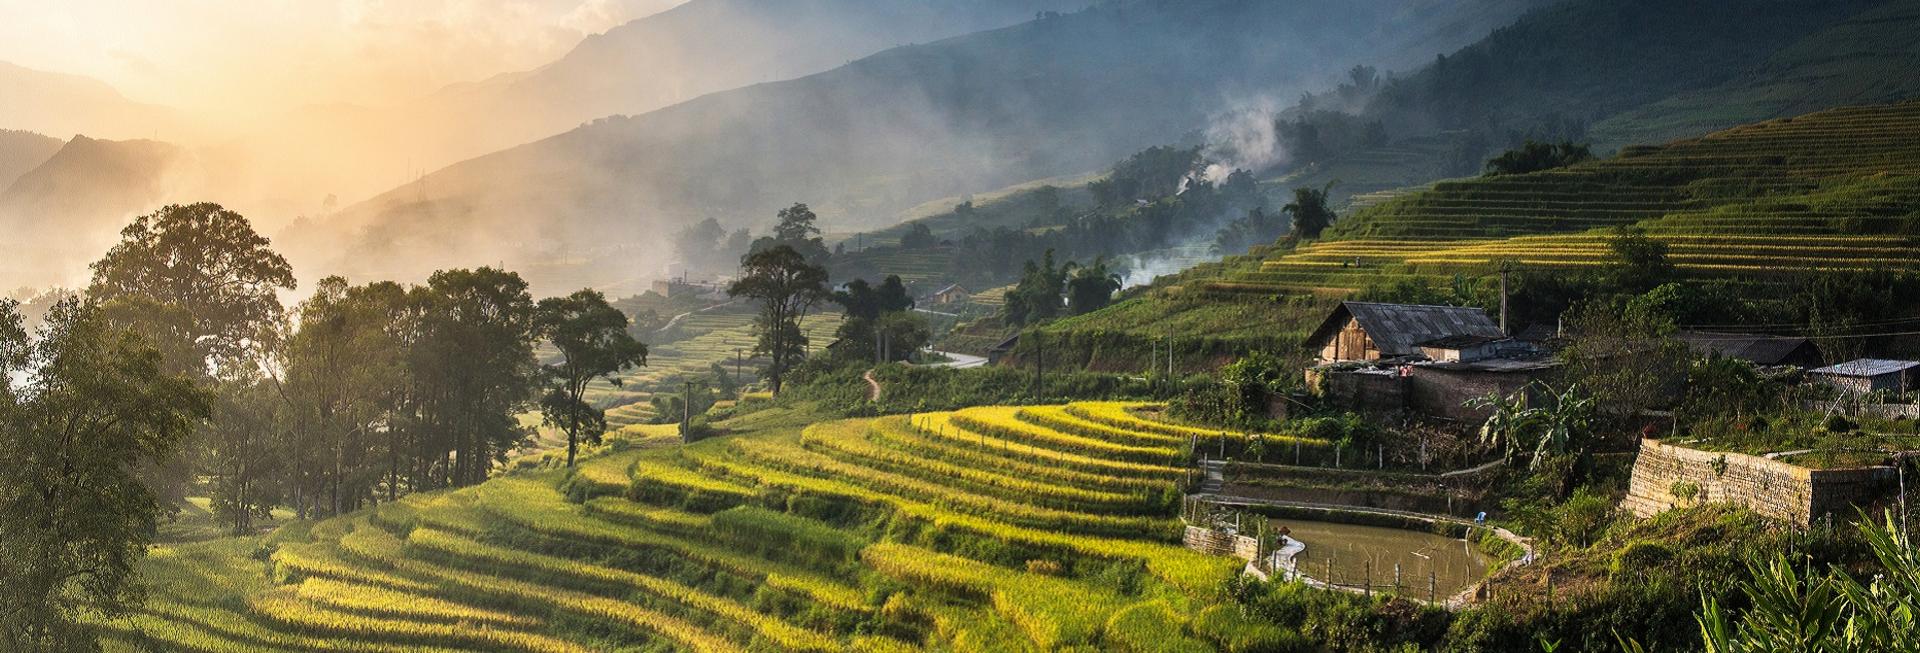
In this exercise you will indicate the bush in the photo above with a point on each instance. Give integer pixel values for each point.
(1639, 555)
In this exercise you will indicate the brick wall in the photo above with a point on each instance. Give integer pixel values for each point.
(1769, 487)
(1365, 392)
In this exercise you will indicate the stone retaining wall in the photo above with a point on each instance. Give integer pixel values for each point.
(1664, 474)
(1221, 543)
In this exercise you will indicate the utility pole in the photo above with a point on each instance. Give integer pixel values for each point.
(739, 361)
(1505, 267)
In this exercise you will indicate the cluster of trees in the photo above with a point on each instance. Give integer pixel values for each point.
(179, 370)
(1048, 291)
(1534, 156)
(879, 322)
(706, 249)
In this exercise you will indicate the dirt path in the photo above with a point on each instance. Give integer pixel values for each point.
(873, 386)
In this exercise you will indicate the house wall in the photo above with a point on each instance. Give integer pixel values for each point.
(1364, 392)
(1769, 487)
(1443, 393)
(1350, 343)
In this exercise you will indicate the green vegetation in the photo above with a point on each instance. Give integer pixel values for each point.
(896, 533)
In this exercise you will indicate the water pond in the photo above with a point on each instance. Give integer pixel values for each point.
(1345, 554)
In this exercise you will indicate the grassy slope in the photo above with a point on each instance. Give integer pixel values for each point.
(995, 529)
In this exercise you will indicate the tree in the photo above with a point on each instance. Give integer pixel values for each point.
(866, 308)
(1638, 263)
(796, 225)
(1037, 296)
(1308, 211)
(699, 245)
(1624, 358)
(345, 383)
(245, 458)
(919, 236)
(474, 369)
(81, 410)
(1534, 157)
(198, 281)
(1091, 287)
(593, 342)
(1563, 426)
(787, 286)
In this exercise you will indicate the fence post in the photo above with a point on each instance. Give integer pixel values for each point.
(1367, 586)
(1433, 586)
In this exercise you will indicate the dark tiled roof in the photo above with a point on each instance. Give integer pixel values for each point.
(1760, 349)
(1398, 329)
(1458, 341)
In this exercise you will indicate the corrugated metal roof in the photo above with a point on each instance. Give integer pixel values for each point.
(1867, 367)
(1398, 329)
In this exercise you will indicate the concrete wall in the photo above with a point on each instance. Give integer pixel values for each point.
(1769, 487)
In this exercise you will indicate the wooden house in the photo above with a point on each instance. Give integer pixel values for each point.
(1365, 331)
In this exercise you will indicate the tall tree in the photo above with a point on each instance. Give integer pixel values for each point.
(1309, 212)
(1037, 297)
(1091, 287)
(81, 410)
(474, 368)
(345, 374)
(198, 281)
(200, 285)
(796, 228)
(787, 286)
(594, 344)
(866, 309)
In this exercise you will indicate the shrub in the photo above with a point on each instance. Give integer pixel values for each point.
(1639, 555)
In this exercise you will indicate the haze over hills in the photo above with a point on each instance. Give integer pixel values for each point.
(62, 105)
(72, 206)
(1058, 95)
(21, 151)
(699, 47)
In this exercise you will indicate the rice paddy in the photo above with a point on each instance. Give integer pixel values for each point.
(985, 529)
(1831, 190)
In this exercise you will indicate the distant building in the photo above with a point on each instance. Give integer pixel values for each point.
(1754, 348)
(1364, 331)
(953, 294)
(682, 287)
(1869, 375)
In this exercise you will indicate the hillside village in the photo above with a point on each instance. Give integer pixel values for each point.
(1483, 326)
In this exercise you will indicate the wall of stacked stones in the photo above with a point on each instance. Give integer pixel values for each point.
(1669, 476)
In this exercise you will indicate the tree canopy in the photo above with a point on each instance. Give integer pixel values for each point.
(594, 344)
(787, 286)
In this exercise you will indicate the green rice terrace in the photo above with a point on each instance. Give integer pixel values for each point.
(726, 338)
(1831, 190)
(985, 529)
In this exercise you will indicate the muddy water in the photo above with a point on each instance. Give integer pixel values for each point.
(1356, 550)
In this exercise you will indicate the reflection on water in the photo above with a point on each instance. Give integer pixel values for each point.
(1455, 564)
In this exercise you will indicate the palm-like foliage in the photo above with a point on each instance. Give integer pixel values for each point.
(1564, 425)
(1831, 612)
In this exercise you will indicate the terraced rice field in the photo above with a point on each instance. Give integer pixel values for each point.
(987, 529)
(724, 336)
(1833, 190)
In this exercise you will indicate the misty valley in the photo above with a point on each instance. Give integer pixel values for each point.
(567, 326)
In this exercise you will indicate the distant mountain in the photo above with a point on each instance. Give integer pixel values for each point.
(71, 207)
(62, 105)
(699, 47)
(1058, 95)
(21, 151)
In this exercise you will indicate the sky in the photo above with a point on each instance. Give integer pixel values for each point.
(250, 58)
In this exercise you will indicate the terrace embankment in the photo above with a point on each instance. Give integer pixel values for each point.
(1670, 476)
